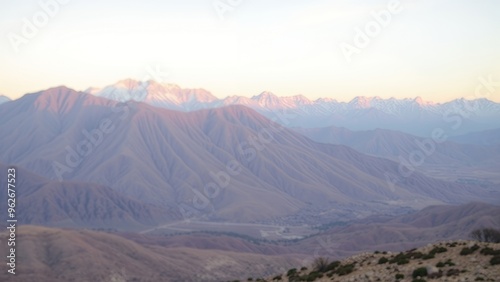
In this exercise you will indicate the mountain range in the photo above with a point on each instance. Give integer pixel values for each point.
(227, 163)
(457, 117)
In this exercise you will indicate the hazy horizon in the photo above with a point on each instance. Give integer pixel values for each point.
(250, 47)
(345, 100)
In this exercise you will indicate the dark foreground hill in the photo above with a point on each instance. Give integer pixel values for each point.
(444, 261)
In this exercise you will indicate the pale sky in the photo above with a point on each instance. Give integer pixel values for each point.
(435, 49)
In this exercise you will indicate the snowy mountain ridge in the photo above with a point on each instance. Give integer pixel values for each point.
(361, 113)
(173, 96)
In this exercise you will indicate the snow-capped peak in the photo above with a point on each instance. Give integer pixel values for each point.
(264, 95)
(361, 102)
(155, 93)
(301, 99)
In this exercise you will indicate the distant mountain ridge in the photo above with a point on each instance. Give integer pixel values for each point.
(393, 144)
(487, 137)
(361, 113)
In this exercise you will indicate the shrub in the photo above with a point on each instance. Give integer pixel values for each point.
(321, 264)
(418, 280)
(403, 261)
(333, 265)
(438, 250)
(443, 264)
(487, 251)
(345, 269)
(383, 260)
(400, 276)
(277, 278)
(452, 272)
(479, 279)
(422, 271)
(495, 260)
(428, 256)
(291, 272)
(311, 276)
(417, 255)
(467, 251)
(401, 258)
(486, 235)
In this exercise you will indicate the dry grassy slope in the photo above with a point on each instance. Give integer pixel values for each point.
(159, 156)
(53, 255)
(366, 266)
